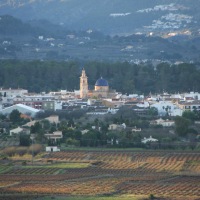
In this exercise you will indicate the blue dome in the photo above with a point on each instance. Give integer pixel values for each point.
(101, 82)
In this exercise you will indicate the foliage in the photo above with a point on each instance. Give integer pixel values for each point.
(15, 117)
(21, 150)
(10, 151)
(38, 76)
(181, 125)
(189, 115)
(35, 148)
(72, 142)
(151, 197)
(24, 139)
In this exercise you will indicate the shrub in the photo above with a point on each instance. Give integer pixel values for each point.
(21, 151)
(24, 163)
(36, 148)
(10, 151)
(151, 197)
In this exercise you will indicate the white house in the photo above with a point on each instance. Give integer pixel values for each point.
(189, 105)
(55, 135)
(165, 123)
(117, 127)
(135, 129)
(150, 139)
(144, 104)
(52, 149)
(10, 93)
(164, 107)
(84, 131)
(17, 130)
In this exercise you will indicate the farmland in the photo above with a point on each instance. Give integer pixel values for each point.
(103, 175)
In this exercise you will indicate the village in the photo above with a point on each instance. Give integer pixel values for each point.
(100, 117)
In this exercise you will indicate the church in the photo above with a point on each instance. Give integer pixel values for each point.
(101, 88)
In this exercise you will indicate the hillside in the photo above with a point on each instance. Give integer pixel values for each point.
(110, 17)
(43, 40)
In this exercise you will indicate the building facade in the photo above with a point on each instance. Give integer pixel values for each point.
(101, 88)
(83, 85)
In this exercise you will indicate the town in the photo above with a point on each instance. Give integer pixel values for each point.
(99, 100)
(101, 117)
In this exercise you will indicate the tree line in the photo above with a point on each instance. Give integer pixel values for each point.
(39, 76)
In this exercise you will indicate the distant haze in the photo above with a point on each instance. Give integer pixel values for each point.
(109, 16)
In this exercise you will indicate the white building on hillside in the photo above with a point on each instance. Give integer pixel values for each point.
(164, 123)
(150, 139)
(166, 107)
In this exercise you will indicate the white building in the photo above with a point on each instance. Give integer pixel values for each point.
(12, 92)
(55, 135)
(164, 107)
(17, 130)
(135, 129)
(21, 108)
(164, 123)
(150, 139)
(52, 149)
(117, 127)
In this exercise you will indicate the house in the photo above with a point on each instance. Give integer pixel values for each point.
(53, 119)
(164, 123)
(19, 130)
(150, 139)
(189, 105)
(52, 149)
(117, 127)
(10, 93)
(164, 107)
(135, 129)
(84, 131)
(55, 135)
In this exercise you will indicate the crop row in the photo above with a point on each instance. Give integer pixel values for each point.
(30, 171)
(111, 185)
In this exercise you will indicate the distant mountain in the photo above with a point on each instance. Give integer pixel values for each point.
(43, 40)
(12, 26)
(110, 16)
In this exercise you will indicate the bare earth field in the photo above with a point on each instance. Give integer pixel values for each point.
(100, 175)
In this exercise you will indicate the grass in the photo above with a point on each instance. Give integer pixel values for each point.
(61, 165)
(193, 162)
(4, 168)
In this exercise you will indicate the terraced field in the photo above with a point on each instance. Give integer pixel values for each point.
(167, 175)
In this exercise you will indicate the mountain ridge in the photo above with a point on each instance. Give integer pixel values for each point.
(110, 17)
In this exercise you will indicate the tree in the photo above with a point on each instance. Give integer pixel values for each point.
(89, 139)
(15, 116)
(181, 125)
(24, 139)
(153, 111)
(189, 115)
(36, 128)
(71, 123)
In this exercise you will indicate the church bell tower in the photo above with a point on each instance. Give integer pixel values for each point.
(83, 85)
